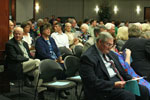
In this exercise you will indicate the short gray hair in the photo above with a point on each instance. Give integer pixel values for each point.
(134, 31)
(104, 36)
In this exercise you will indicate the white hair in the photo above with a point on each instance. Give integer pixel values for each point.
(18, 29)
(85, 26)
(39, 20)
(145, 27)
(109, 26)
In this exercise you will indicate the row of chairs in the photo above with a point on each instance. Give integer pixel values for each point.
(71, 63)
(50, 69)
(76, 51)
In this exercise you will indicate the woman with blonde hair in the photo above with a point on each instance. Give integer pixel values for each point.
(121, 37)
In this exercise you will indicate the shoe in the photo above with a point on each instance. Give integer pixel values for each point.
(67, 92)
(63, 95)
(41, 95)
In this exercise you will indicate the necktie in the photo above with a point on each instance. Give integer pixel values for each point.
(114, 68)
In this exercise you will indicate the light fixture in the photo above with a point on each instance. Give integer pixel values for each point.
(115, 9)
(37, 7)
(138, 9)
(96, 9)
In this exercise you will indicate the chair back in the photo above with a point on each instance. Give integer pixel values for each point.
(49, 69)
(72, 64)
(65, 52)
(77, 50)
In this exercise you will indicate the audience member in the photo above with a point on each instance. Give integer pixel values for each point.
(39, 23)
(101, 22)
(102, 28)
(91, 40)
(99, 78)
(52, 19)
(74, 24)
(87, 21)
(11, 28)
(145, 35)
(110, 28)
(125, 59)
(71, 36)
(18, 58)
(145, 27)
(32, 32)
(60, 38)
(46, 48)
(140, 49)
(121, 37)
(93, 24)
(84, 33)
(26, 35)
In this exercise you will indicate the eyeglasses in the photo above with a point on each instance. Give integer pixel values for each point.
(109, 45)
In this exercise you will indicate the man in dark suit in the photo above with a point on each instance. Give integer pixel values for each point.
(102, 75)
(18, 58)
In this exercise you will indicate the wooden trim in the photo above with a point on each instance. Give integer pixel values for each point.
(145, 13)
(13, 9)
(4, 29)
(34, 1)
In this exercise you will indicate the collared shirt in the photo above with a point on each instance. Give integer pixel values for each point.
(108, 65)
(91, 30)
(23, 49)
(61, 39)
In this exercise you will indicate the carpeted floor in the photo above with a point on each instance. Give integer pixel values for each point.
(28, 94)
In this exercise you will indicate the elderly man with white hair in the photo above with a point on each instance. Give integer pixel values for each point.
(110, 28)
(18, 58)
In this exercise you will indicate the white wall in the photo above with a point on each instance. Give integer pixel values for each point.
(80, 9)
(60, 8)
(127, 10)
(24, 10)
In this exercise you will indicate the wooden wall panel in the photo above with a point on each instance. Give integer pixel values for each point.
(4, 22)
(13, 9)
(147, 13)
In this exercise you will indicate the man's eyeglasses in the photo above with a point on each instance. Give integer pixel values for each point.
(109, 45)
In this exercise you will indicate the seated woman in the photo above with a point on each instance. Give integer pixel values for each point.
(124, 59)
(85, 35)
(26, 35)
(46, 47)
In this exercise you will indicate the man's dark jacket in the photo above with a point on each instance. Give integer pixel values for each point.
(95, 77)
(15, 58)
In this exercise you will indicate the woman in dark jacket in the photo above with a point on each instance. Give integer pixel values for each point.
(46, 47)
(140, 49)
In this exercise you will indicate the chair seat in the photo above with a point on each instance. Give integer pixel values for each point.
(76, 79)
(60, 85)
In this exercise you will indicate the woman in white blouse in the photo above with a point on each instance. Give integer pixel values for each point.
(26, 35)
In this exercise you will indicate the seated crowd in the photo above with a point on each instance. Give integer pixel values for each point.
(112, 54)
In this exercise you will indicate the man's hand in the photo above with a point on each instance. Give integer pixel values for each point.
(120, 84)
